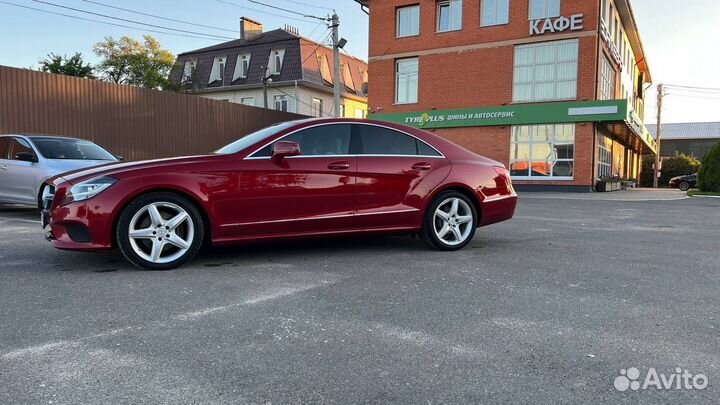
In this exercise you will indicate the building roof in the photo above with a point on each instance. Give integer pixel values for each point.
(301, 63)
(687, 130)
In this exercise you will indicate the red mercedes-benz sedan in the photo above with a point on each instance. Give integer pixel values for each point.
(301, 178)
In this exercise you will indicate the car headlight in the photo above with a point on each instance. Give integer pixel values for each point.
(88, 189)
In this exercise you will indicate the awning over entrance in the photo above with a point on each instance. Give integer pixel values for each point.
(615, 115)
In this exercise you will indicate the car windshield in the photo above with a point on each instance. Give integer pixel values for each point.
(254, 137)
(71, 149)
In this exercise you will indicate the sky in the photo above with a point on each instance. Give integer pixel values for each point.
(680, 39)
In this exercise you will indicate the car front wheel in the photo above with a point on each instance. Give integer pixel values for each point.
(684, 186)
(160, 231)
(450, 221)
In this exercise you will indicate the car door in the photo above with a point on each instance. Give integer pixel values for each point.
(309, 193)
(20, 180)
(396, 171)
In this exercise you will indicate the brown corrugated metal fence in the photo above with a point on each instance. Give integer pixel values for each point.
(129, 121)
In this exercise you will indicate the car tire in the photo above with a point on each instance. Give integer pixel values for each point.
(684, 186)
(450, 221)
(40, 197)
(160, 231)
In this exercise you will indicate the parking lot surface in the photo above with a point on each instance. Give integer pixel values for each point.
(546, 308)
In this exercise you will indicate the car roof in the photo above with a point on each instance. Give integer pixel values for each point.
(36, 136)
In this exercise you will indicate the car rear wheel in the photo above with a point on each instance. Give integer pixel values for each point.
(450, 221)
(160, 231)
(684, 186)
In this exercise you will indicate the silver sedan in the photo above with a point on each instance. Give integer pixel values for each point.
(26, 161)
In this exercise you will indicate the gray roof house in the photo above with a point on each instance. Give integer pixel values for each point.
(690, 138)
(300, 71)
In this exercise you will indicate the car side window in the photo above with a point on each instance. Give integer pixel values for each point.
(18, 145)
(322, 140)
(377, 140)
(4, 142)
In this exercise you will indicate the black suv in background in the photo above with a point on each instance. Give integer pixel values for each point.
(684, 183)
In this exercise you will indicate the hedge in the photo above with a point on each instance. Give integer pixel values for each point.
(709, 174)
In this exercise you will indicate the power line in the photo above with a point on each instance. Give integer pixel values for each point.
(319, 44)
(308, 5)
(287, 10)
(159, 17)
(297, 99)
(261, 11)
(693, 88)
(102, 22)
(130, 21)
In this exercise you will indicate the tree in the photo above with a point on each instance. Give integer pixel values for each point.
(127, 61)
(709, 173)
(678, 165)
(62, 65)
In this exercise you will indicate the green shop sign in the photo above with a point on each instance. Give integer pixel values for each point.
(521, 114)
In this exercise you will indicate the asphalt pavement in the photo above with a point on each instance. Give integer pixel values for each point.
(546, 308)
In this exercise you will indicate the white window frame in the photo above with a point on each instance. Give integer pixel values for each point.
(241, 70)
(450, 4)
(282, 99)
(413, 18)
(243, 101)
(347, 76)
(548, 12)
(409, 78)
(188, 70)
(277, 56)
(605, 156)
(608, 78)
(360, 113)
(499, 4)
(552, 161)
(217, 73)
(316, 107)
(556, 65)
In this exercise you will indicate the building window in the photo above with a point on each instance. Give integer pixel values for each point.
(449, 15)
(325, 69)
(359, 113)
(347, 77)
(247, 101)
(406, 81)
(408, 21)
(540, 152)
(317, 107)
(342, 110)
(607, 87)
(604, 156)
(545, 71)
(242, 67)
(276, 61)
(188, 71)
(494, 12)
(281, 103)
(218, 70)
(544, 9)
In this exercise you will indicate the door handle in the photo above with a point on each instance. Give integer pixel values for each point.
(339, 165)
(422, 166)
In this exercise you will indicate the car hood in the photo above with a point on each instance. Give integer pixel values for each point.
(68, 165)
(114, 168)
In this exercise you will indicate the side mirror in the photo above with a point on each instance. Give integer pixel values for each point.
(26, 157)
(283, 149)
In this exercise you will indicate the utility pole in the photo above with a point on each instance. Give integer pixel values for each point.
(336, 61)
(656, 169)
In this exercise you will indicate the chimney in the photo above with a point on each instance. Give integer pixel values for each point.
(250, 29)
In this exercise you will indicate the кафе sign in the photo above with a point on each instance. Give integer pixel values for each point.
(557, 24)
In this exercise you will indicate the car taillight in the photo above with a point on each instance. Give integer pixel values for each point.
(505, 176)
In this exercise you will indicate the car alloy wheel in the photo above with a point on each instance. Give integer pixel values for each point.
(160, 231)
(684, 186)
(450, 221)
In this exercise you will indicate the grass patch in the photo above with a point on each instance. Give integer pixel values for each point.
(693, 193)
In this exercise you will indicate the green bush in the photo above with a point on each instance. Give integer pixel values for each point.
(709, 174)
(678, 165)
